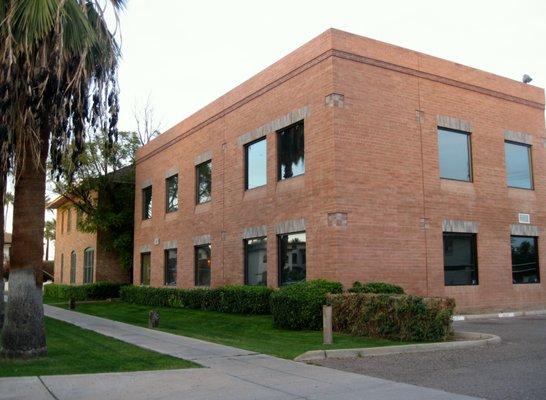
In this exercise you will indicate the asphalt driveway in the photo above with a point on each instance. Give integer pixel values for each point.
(514, 369)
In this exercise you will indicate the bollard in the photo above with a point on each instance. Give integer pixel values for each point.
(71, 303)
(327, 324)
(153, 319)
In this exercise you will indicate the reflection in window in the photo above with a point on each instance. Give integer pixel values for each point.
(518, 165)
(204, 182)
(202, 265)
(170, 267)
(145, 263)
(525, 259)
(460, 259)
(73, 267)
(454, 155)
(171, 191)
(290, 151)
(88, 260)
(292, 258)
(147, 202)
(256, 164)
(256, 261)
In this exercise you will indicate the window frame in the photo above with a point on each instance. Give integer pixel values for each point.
(196, 266)
(245, 255)
(474, 255)
(246, 148)
(279, 258)
(144, 208)
(197, 175)
(167, 180)
(165, 267)
(278, 135)
(530, 164)
(469, 150)
(537, 259)
(149, 254)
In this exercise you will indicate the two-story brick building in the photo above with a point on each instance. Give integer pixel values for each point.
(352, 159)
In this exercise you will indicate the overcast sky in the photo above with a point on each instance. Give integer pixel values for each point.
(186, 54)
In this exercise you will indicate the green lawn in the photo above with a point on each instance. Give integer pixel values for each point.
(251, 332)
(73, 350)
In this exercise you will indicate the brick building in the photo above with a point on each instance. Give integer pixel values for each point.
(352, 159)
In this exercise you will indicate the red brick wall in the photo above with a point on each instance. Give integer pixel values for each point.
(371, 158)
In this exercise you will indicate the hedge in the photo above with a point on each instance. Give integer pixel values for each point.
(376, 287)
(299, 305)
(235, 299)
(397, 317)
(91, 291)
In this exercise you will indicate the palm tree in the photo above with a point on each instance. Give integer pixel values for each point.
(49, 234)
(58, 78)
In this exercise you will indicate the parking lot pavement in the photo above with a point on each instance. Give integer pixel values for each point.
(514, 369)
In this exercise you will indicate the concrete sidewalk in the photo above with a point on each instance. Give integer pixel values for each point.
(231, 374)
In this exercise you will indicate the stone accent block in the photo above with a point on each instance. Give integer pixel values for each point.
(291, 226)
(337, 219)
(203, 239)
(334, 100)
(451, 225)
(524, 230)
(255, 232)
(201, 158)
(445, 121)
(519, 137)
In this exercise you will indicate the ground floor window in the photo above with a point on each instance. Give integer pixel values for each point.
(202, 265)
(460, 259)
(62, 266)
(73, 267)
(256, 261)
(292, 258)
(145, 262)
(525, 259)
(88, 261)
(170, 267)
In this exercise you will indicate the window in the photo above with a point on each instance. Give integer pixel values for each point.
(518, 165)
(204, 182)
(525, 259)
(454, 155)
(145, 262)
(170, 267)
(292, 258)
(62, 221)
(256, 164)
(73, 267)
(256, 261)
(147, 202)
(202, 265)
(62, 266)
(88, 260)
(68, 220)
(460, 259)
(290, 151)
(171, 191)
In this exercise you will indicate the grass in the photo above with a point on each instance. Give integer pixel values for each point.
(250, 332)
(73, 350)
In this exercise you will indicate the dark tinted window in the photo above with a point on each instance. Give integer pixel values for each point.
(256, 164)
(290, 151)
(170, 267)
(454, 155)
(202, 265)
(256, 261)
(525, 259)
(518, 165)
(292, 258)
(147, 202)
(145, 262)
(171, 192)
(88, 260)
(73, 267)
(460, 259)
(204, 182)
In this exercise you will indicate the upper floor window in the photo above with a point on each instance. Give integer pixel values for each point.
(204, 182)
(147, 202)
(290, 151)
(171, 190)
(88, 261)
(68, 220)
(525, 259)
(256, 164)
(519, 172)
(460, 259)
(454, 155)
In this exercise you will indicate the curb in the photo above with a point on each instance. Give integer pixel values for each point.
(462, 340)
(498, 315)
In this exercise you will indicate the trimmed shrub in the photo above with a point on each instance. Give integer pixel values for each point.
(299, 305)
(92, 291)
(376, 287)
(397, 317)
(235, 299)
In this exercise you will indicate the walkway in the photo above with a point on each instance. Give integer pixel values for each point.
(230, 374)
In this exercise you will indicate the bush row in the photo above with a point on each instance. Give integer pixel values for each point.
(237, 299)
(398, 317)
(376, 287)
(92, 291)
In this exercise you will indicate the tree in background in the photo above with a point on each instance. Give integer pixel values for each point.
(49, 235)
(58, 81)
(148, 127)
(8, 199)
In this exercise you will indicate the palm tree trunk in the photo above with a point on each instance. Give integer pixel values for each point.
(2, 222)
(23, 335)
